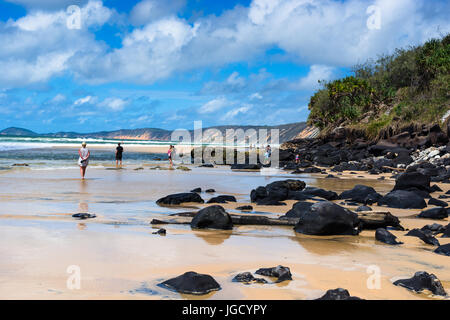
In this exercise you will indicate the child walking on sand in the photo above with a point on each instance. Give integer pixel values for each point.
(83, 160)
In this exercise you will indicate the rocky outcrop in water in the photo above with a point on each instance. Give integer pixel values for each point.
(179, 198)
(422, 280)
(213, 217)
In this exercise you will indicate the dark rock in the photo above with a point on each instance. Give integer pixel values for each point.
(425, 237)
(327, 218)
(434, 228)
(403, 200)
(247, 278)
(210, 191)
(373, 220)
(381, 178)
(338, 294)
(312, 170)
(198, 190)
(207, 165)
(246, 166)
(423, 280)
(443, 196)
(434, 213)
(245, 208)
(385, 236)
(258, 193)
(444, 249)
(83, 216)
(435, 188)
(156, 221)
(298, 208)
(437, 202)
(161, 232)
(361, 194)
(269, 202)
(192, 283)
(363, 208)
(446, 232)
(412, 180)
(330, 176)
(222, 199)
(213, 217)
(313, 191)
(280, 272)
(178, 198)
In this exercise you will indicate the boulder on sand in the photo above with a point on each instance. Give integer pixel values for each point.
(276, 191)
(362, 194)
(434, 213)
(423, 280)
(410, 180)
(192, 283)
(338, 294)
(372, 220)
(325, 194)
(436, 202)
(213, 217)
(280, 272)
(328, 218)
(222, 199)
(247, 278)
(425, 237)
(83, 216)
(402, 199)
(385, 236)
(178, 198)
(298, 208)
(444, 249)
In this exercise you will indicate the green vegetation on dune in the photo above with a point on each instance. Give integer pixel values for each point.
(410, 86)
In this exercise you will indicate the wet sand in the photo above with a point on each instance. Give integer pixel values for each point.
(120, 258)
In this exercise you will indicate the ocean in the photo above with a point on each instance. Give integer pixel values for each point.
(44, 152)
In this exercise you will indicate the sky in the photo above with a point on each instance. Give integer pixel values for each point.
(91, 65)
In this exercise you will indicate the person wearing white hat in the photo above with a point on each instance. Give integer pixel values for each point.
(83, 160)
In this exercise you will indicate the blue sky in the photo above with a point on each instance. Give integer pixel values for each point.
(166, 64)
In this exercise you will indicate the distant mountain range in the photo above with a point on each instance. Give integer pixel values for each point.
(287, 132)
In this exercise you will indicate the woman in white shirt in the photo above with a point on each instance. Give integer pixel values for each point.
(83, 160)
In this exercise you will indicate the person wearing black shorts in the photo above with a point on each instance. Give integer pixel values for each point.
(119, 151)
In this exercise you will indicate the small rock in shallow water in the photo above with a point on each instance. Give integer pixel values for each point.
(160, 232)
(385, 236)
(196, 190)
(83, 216)
(247, 278)
(363, 208)
(280, 272)
(178, 198)
(422, 280)
(245, 208)
(210, 190)
(222, 199)
(338, 294)
(192, 283)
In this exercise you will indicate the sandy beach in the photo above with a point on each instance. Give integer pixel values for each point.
(120, 258)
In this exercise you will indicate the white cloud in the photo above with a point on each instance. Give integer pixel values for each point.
(233, 113)
(214, 105)
(148, 10)
(317, 32)
(316, 73)
(114, 104)
(58, 98)
(87, 99)
(255, 96)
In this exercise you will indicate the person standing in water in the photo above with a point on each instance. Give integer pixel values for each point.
(83, 160)
(119, 152)
(170, 154)
(268, 154)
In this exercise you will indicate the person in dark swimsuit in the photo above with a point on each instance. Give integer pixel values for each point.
(119, 151)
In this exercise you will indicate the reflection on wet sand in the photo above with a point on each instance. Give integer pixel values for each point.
(213, 237)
